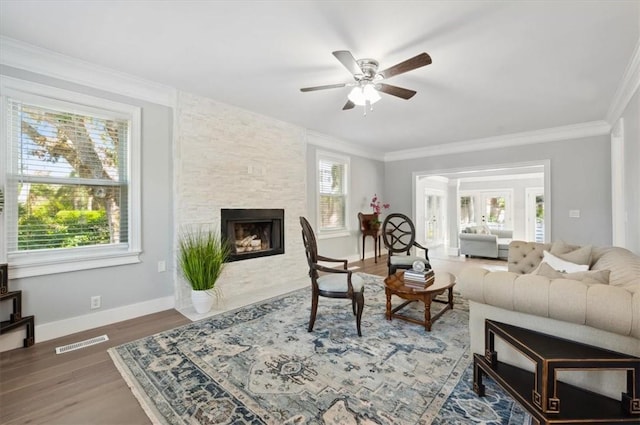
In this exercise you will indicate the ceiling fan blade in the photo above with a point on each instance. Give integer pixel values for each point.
(396, 91)
(346, 58)
(348, 105)
(329, 86)
(410, 64)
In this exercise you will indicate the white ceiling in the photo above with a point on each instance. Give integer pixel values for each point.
(499, 67)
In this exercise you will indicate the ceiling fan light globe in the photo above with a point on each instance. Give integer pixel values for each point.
(360, 95)
(357, 96)
(371, 94)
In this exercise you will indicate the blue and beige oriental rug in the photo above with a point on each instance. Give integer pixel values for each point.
(259, 365)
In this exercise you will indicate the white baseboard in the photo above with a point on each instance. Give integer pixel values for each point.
(51, 330)
(453, 251)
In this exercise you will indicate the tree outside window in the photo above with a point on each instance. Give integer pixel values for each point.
(332, 177)
(71, 178)
(67, 178)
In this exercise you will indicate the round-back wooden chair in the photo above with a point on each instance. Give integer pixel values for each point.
(399, 236)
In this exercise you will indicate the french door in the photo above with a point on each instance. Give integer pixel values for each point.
(534, 214)
(434, 217)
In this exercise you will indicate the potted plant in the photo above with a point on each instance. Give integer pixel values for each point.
(202, 254)
(377, 207)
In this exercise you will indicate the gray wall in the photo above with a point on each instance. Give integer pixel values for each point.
(65, 295)
(367, 179)
(631, 118)
(580, 179)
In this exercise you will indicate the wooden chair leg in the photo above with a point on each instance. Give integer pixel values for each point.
(314, 310)
(359, 298)
(353, 305)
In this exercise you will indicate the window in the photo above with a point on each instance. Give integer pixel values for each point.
(467, 211)
(494, 213)
(70, 178)
(332, 193)
(493, 208)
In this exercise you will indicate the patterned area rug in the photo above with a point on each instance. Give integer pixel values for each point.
(259, 365)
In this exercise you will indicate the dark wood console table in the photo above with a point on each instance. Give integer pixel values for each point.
(368, 228)
(548, 400)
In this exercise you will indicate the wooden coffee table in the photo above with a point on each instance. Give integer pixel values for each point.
(394, 285)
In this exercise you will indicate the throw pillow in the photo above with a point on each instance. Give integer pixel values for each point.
(578, 256)
(562, 265)
(479, 230)
(591, 276)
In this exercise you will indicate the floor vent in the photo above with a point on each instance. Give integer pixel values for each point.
(81, 344)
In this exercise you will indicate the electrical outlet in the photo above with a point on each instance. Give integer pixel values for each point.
(162, 266)
(574, 213)
(96, 302)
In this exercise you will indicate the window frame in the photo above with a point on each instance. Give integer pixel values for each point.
(44, 262)
(480, 197)
(323, 233)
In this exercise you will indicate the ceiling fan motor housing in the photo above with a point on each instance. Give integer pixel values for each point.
(369, 69)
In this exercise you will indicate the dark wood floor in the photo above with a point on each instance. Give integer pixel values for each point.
(38, 386)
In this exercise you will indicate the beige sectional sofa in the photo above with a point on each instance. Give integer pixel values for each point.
(599, 307)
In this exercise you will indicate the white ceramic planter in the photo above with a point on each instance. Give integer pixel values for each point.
(202, 300)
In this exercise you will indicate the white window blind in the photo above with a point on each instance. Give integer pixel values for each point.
(67, 182)
(332, 183)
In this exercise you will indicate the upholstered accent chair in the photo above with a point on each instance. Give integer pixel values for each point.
(333, 283)
(399, 236)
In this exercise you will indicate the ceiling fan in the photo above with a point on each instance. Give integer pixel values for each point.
(368, 80)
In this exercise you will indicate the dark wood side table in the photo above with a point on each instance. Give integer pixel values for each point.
(394, 285)
(550, 401)
(368, 229)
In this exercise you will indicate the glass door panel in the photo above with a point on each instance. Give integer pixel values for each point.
(434, 219)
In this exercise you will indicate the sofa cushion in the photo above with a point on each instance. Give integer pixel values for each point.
(635, 306)
(624, 265)
(503, 243)
(468, 283)
(562, 265)
(498, 288)
(574, 254)
(479, 230)
(568, 300)
(590, 276)
(602, 302)
(531, 295)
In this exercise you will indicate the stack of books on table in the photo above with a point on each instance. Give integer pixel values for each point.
(416, 279)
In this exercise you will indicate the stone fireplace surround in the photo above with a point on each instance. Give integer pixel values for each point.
(227, 157)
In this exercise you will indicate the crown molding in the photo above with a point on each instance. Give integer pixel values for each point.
(627, 88)
(18, 54)
(568, 132)
(328, 142)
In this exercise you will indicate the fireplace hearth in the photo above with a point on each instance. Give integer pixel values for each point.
(253, 233)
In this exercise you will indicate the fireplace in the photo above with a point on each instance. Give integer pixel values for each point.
(253, 233)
